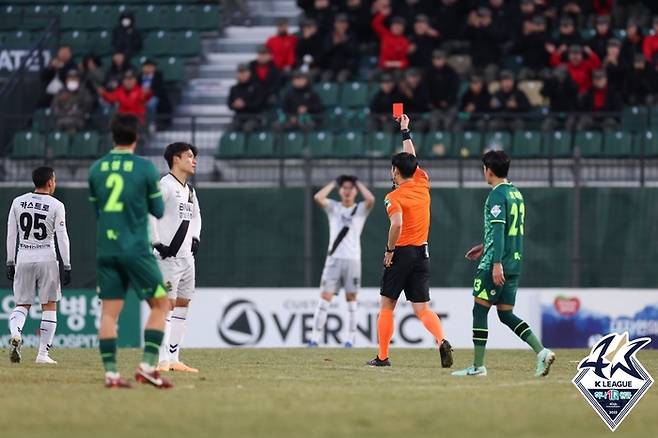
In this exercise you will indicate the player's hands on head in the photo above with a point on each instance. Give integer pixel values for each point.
(195, 245)
(404, 122)
(163, 250)
(66, 278)
(498, 274)
(11, 272)
(475, 253)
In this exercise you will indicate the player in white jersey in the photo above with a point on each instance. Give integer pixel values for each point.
(176, 237)
(342, 268)
(35, 221)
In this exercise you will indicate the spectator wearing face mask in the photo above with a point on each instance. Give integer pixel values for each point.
(129, 97)
(125, 37)
(282, 46)
(72, 104)
(158, 107)
(55, 74)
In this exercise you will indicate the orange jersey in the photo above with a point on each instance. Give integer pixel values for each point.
(412, 199)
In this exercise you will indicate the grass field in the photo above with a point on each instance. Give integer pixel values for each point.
(310, 393)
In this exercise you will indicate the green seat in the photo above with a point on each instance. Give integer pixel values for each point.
(10, 16)
(292, 144)
(320, 143)
(348, 144)
(18, 39)
(260, 144)
(634, 118)
(94, 17)
(187, 43)
(43, 120)
(58, 143)
(207, 17)
(28, 145)
(72, 17)
(181, 17)
(356, 117)
(172, 69)
(100, 42)
(647, 144)
(379, 144)
(653, 118)
(558, 144)
(527, 144)
(85, 145)
(336, 118)
(231, 145)
(328, 92)
(436, 144)
(37, 17)
(152, 16)
(79, 41)
(590, 143)
(158, 43)
(618, 144)
(354, 95)
(470, 144)
(498, 140)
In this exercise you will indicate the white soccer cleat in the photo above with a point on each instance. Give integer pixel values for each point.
(42, 358)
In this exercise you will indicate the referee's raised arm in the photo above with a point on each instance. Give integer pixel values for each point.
(407, 144)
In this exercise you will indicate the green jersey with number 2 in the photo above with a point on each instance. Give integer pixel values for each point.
(504, 205)
(124, 189)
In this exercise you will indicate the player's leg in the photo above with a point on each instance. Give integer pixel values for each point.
(352, 285)
(25, 287)
(179, 316)
(171, 276)
(329, 284)
(50, 293)
(16, 322)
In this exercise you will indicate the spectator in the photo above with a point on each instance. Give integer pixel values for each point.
(409, 9)
(603, 99)
(158, 107)
(282, 46)
(72, 104)
(562, 92)
(530, 44)
(382, 104)
(615, 71)
(393, 45)
(416, 97)
(599, 43)
(509, 99)
(309, 46)
(485, 49)
(450, 17)
(475, 101)
(340, 57)
(568, 35)
(603, 7)
(54, 76)
(423, 42)
(125, 37)
(579, 68)
(93, 74)
(443, 85)
(650, 45)
(267, 75)
(639, 85)
(129, 97)
(301, 105)
(501, 22)
(246, 100)
(526, 12)
(360, 17)
(633, 44)
(323, 13)
(118, 68)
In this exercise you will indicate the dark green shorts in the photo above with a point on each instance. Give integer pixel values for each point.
(116, 275)
(484, 288)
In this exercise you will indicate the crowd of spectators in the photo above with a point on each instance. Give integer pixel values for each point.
(459, 63)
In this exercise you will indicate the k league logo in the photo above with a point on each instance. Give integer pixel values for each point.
(612, 379)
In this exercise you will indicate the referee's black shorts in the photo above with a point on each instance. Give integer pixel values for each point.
(410, 272)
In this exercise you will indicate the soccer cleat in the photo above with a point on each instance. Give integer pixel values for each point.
(348, 344)
(471, 371)
(545, 359)
(180, 366)
(15, 349)
(445, 350)
(45, 359)
(377, 362)
(163, 366)
(312, 344)
(114, 380)
(152, 378)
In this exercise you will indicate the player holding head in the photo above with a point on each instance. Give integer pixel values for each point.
(406, 260)
(124, 189)
(342, 268)
(501, 257)
(35, 220)
(176, 238)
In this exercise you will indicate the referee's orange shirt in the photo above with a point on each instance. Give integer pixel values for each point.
(412, 199)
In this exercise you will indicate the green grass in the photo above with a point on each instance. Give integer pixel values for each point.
(310, 393)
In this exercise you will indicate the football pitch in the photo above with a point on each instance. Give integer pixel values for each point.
(310, 393)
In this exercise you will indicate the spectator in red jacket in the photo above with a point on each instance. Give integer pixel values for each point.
(393, 45)
(580, 68)
(283, 47)
(650, 47)
(129, 96)
(602, 102)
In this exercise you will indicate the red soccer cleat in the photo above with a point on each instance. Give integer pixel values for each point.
(117, 382)
(152, 378)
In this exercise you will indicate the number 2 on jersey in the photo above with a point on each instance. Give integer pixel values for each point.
(115, 183)
(517, 226)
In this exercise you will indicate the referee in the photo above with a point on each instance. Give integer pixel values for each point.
(407, 259)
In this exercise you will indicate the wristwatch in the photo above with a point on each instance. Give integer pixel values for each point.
(389, 250)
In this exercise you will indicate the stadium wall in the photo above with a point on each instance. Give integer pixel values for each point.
(600, 237)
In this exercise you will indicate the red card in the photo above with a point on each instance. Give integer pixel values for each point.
(398, 110)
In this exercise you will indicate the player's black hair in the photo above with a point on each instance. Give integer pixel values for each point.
(345, 178)
(124, 129)
(406, 163)
(176, 149)
(498, 162)
(41, 176)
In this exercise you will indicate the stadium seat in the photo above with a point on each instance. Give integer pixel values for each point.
(152, 16)
(78, 41)
(260, 144)
(348, 144)
(320, 144)
(498, 140)
(328, 92)
(100, 43)
(436, 144)
(527, 144)
(647, 144)
(72, 17)
(58, 143)
(231, 145)
(17, 39)
(356, 117)
(379, 144)
(618, 144)
(470, 144)
(291, 144)
(589, 142)
(85, 145)
(10, 16)
(653, 118)
(43, 120)
(336, 118)
(181, 16)
(558, 144)
(36, 17)
(207, 17)
(634, 118)
(172, 69)
(187, 43)
(28, 145)
(158, 43)
(354, 95)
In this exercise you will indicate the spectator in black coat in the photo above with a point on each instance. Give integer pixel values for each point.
(449, 18)
(267, 75)
(443, 86)
(600, 98)
(340, 56)
(158, 108)
(501, 19)
(424, 40)
(615, 70)
(125, 37)
(531, 42)
(474, 102)
(509, 99)
(309, 46)
(599, 43)
(322, 11)
(118, 67)
(485, 44)
(568, 34)
(562, 92)
(246, 100)
(632, 43)
(360, 18)
(301, 105)
(54, 76)
(640, 82)
(525, 12)
(381, 105)
(417, 99)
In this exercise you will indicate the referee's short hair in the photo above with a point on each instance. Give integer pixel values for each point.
(498, 162)
(176, 149)
(41, 176)
(406, 163)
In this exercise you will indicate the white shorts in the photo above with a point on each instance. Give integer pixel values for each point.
(341, 273)
(179, 276)
(37, 276)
